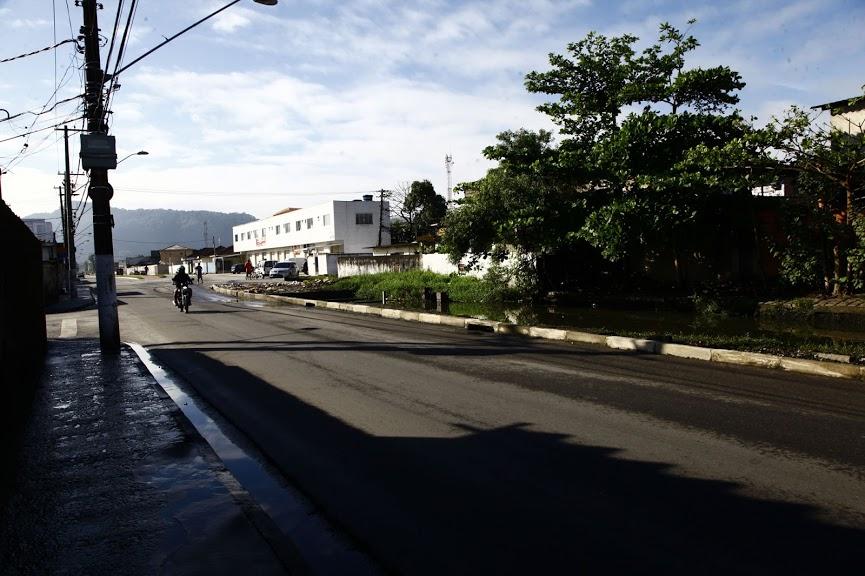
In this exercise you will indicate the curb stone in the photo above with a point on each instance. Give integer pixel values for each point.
(639, 345)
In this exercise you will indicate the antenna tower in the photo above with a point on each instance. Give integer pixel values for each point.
(449, 161)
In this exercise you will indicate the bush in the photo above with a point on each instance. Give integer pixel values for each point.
(408, 287)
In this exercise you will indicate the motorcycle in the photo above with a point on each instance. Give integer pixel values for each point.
(183, 297)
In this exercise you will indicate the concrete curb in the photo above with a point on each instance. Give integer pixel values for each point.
(636, 345)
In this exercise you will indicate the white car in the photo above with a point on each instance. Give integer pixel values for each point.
(284, 270)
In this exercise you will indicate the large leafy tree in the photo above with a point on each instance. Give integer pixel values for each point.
(825, 236)
(522, 204)
(418, 210)
(823, 244)
(627, 120)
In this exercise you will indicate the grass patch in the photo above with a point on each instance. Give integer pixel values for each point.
(407, 287)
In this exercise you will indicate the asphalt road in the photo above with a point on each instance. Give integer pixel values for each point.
(451, 452)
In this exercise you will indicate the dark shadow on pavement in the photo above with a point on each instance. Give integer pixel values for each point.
(460, 348)
(512, 500)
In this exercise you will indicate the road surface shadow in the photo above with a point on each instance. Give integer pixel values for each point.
(491, 347)
(512, 500)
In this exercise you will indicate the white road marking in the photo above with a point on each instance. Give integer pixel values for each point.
(69, 328)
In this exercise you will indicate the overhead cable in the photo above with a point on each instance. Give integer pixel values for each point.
(59, 124)
(47, 48)
(43, 110)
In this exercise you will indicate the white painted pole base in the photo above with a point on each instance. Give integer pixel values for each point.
(106, 299)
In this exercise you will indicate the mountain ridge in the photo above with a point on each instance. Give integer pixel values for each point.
(138, 231)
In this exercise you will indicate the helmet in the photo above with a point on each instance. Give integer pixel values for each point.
(181, 269)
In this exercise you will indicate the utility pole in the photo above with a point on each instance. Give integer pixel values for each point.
(380, 214)
(100, 190)
(64, 219)
(70, 220)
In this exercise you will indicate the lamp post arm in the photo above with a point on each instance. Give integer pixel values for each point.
(167, 40)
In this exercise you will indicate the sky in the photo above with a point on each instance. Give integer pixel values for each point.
(267, 107)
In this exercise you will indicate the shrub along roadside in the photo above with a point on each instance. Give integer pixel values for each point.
(407, 287)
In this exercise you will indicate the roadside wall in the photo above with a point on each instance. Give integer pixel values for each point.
(360, 265)
(23, 338)
(440, 264)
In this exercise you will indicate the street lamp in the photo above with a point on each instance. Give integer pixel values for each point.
(139, 153)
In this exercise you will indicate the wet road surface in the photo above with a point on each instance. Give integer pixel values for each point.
(443, 451)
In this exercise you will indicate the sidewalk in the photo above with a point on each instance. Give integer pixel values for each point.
(84, 298)
(113, 480)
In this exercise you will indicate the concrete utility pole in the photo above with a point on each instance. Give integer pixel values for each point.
(100, 190)
(70, 219)
(380, 214)
(64, 219)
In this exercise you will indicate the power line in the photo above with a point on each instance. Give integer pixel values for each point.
(59, 124)
(43, 110)
(114, 33)
(39, 51)
(121, 52)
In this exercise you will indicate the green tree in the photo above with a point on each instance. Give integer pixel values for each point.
(627, 122)
(418, 210)
(522, 204)
(831, 167)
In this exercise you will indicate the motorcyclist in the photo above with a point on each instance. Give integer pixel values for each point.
(180, 280)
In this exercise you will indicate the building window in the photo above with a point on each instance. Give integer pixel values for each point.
(263, 232)
(326, 220)
(297, 225)
(255, 233)
(248, 235)
(308, 223)
(286, 228)
(364, 218)
(277, 229)
(235, 238)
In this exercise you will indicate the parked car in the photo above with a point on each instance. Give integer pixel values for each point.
(284, 270)
(238, 269)
(266, 266)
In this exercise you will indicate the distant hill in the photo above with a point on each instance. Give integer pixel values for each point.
(137, 232)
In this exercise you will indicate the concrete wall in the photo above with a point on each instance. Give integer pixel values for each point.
(851, 122)
(322, 264)
(360, 265)
(23, 338)
(440, 264)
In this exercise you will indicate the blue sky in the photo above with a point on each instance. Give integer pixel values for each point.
(268, 107)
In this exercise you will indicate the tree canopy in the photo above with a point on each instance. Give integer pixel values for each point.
(617, 180)
(418, 210)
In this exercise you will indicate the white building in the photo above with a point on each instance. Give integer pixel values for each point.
(42, 229)
(335, 227)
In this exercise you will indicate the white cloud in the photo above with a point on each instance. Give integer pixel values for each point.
(230, 21)
(30, 24)
(267, 132)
